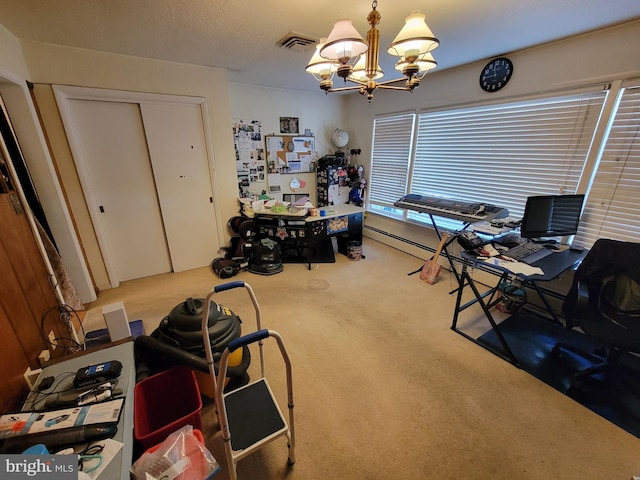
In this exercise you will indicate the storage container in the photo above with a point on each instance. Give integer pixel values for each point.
(164, 403)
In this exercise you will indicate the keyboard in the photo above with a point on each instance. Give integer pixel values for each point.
(446, 207)
(527, 252)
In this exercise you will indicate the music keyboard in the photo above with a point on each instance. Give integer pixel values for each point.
(444, 207)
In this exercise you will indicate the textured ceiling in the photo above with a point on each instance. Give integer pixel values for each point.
(241, 36)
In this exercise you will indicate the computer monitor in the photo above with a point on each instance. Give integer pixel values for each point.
(551, 216)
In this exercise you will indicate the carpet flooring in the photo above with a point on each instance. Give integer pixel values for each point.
(384, 389)
(532, 339)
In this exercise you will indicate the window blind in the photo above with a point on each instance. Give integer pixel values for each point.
(390, 158)
(612, 206)
(501, 154)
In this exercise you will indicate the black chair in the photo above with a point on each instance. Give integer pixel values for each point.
(604, 302)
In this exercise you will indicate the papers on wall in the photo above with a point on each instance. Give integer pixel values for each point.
(250, 157)
(290, 153)
(275, 144)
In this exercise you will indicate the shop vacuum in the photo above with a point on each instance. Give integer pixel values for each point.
(178, 340)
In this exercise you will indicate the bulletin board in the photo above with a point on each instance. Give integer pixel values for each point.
(291, 165)
(290, 153)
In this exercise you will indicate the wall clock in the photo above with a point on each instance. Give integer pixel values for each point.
(496, 74)
(294, 184)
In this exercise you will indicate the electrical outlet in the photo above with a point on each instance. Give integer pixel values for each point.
(52, 340)
(44, 357)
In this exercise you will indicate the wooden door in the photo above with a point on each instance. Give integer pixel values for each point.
(28, 306)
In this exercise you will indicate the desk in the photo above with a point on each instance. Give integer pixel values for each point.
(552, 265)
(118, 468)
(308, 240)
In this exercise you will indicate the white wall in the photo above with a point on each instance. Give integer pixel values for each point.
(49, 64)
(602, 56)
(10, 55)
(318, 112)
(52, 64)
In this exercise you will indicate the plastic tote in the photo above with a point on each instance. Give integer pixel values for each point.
(164, 403)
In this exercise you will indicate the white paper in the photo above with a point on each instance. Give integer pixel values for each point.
(515, 267)
(275, 144)
(305, 163)
(292, 161)
(301, 144)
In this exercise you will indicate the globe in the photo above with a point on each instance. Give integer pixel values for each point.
(340, 138)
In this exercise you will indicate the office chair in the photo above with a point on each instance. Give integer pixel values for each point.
(604, 301)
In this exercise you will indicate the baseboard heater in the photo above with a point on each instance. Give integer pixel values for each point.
(401, 239)
(456, 259)
(412, 243)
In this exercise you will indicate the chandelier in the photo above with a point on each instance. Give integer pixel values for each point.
(355, 60)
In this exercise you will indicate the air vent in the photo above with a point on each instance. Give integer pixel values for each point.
(297, 41)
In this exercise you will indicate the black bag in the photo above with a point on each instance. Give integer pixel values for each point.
(225, 267)
(470, 241)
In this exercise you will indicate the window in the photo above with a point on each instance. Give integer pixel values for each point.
(501, 154)
(390, 161)
(611, 210)
(498, 154)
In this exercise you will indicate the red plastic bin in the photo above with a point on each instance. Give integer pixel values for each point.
(164, 403)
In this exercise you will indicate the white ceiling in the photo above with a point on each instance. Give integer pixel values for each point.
(241, 36)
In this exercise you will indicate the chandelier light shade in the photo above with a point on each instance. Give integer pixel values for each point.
(344, 46)
(415, 39)
(344, 42)
(360, 70)
(356, 60)
(420, 66)
(321, 68)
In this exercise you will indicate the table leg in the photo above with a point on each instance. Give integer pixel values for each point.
(465, 279)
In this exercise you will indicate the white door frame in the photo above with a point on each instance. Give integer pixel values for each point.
(64, 94)
(30, 134)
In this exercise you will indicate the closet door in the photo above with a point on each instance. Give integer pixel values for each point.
(120, 188)
(175, 137)
(145, 165)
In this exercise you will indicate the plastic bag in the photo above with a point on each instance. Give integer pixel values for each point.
(182, 456)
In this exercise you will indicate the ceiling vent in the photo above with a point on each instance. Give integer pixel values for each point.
(297, 41)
